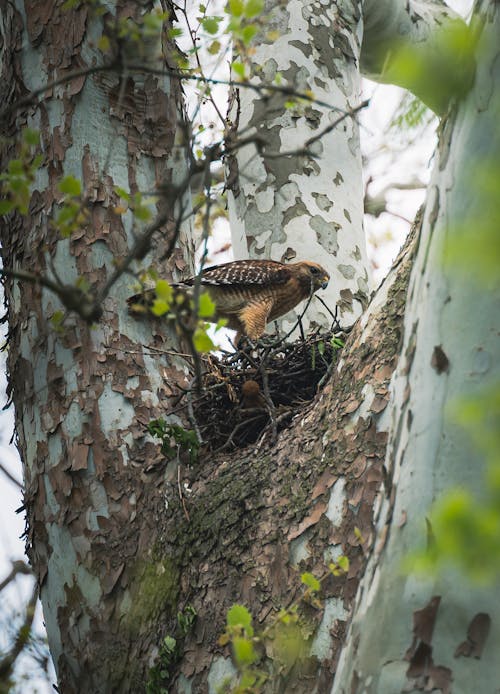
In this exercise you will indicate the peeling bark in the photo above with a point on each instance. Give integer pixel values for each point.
(258, 520)
(83, 396)
(450, 350)
(115, 553)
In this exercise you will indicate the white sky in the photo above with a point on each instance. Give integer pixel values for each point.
(384, 234)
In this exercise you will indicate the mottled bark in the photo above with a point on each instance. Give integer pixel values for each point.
(450, 351)
(117, 549)
(259, 519)
(83, 395)
(307, 204)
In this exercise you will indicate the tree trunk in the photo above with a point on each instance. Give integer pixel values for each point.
(295, 191)
(122, 547)
(84, 394)
(258, 519)
(450, 351)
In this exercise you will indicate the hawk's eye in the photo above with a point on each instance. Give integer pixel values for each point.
(314, 270)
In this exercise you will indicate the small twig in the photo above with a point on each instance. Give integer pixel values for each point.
(335, 322)
(181, 495)
(73, 298)
(269, 403)
(280, 419)
(261, 89)
(298, 321)
(10, 477)
(33, 95)
(18, 567)
(239, 426)
(23, 634)
(114, 136)
(190, 411)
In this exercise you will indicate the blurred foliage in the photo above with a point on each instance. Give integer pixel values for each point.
(15, 183)
(24, 653)
(181, 306)
(410, 113)
(264, 658)
(175, 439)
(437, 70)
(463, 529)
(474, 245)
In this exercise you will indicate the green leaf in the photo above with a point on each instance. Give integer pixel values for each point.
(238, 615)
(70, 186)
(6, 206)
(210, 24)
(248, 33)
(343, 563)
(253, 8)
(164, 291)
(206, 308)
(160, 307)
(202, 342)
(236, 8)
(15, 166)
(123, 193)
(169, 643)
(221, 323)
(37, 161)
(310, 581)
(244, 652)
(104, 44)
(31, 137)
(57, 319)
(247, 681)
(175, 32)
(142, 213)
(214, 48)
(238, 68)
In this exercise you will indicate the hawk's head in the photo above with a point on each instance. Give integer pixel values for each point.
(312, 275)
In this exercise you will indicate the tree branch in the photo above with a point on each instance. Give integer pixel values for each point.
(430, 37)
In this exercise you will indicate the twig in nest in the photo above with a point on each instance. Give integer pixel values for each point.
(269, 403)
(190, 410)
(287, 376)
(181, 495)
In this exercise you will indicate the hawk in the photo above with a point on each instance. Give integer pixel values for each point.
(251, 293)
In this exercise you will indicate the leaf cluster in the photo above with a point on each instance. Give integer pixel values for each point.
(16, 182)
(462, 530)
(170, 652)
(174, 439)
(283, 643)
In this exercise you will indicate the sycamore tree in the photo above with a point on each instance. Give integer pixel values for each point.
(355, 549)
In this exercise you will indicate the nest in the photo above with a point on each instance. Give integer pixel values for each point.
(248, 394)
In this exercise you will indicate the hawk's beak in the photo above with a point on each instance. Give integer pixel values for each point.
(324, 283)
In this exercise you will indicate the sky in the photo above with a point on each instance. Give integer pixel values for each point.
(402, 162)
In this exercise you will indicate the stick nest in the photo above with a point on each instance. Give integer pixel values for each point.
(250, 394)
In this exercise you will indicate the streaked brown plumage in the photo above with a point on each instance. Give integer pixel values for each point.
(250, 293)
(251, 395)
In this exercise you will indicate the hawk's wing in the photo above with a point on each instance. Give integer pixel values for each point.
(244, 272)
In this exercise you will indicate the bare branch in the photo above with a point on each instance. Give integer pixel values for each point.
(10, 476)
(23, 634)
(18, 567)
(73, 298)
